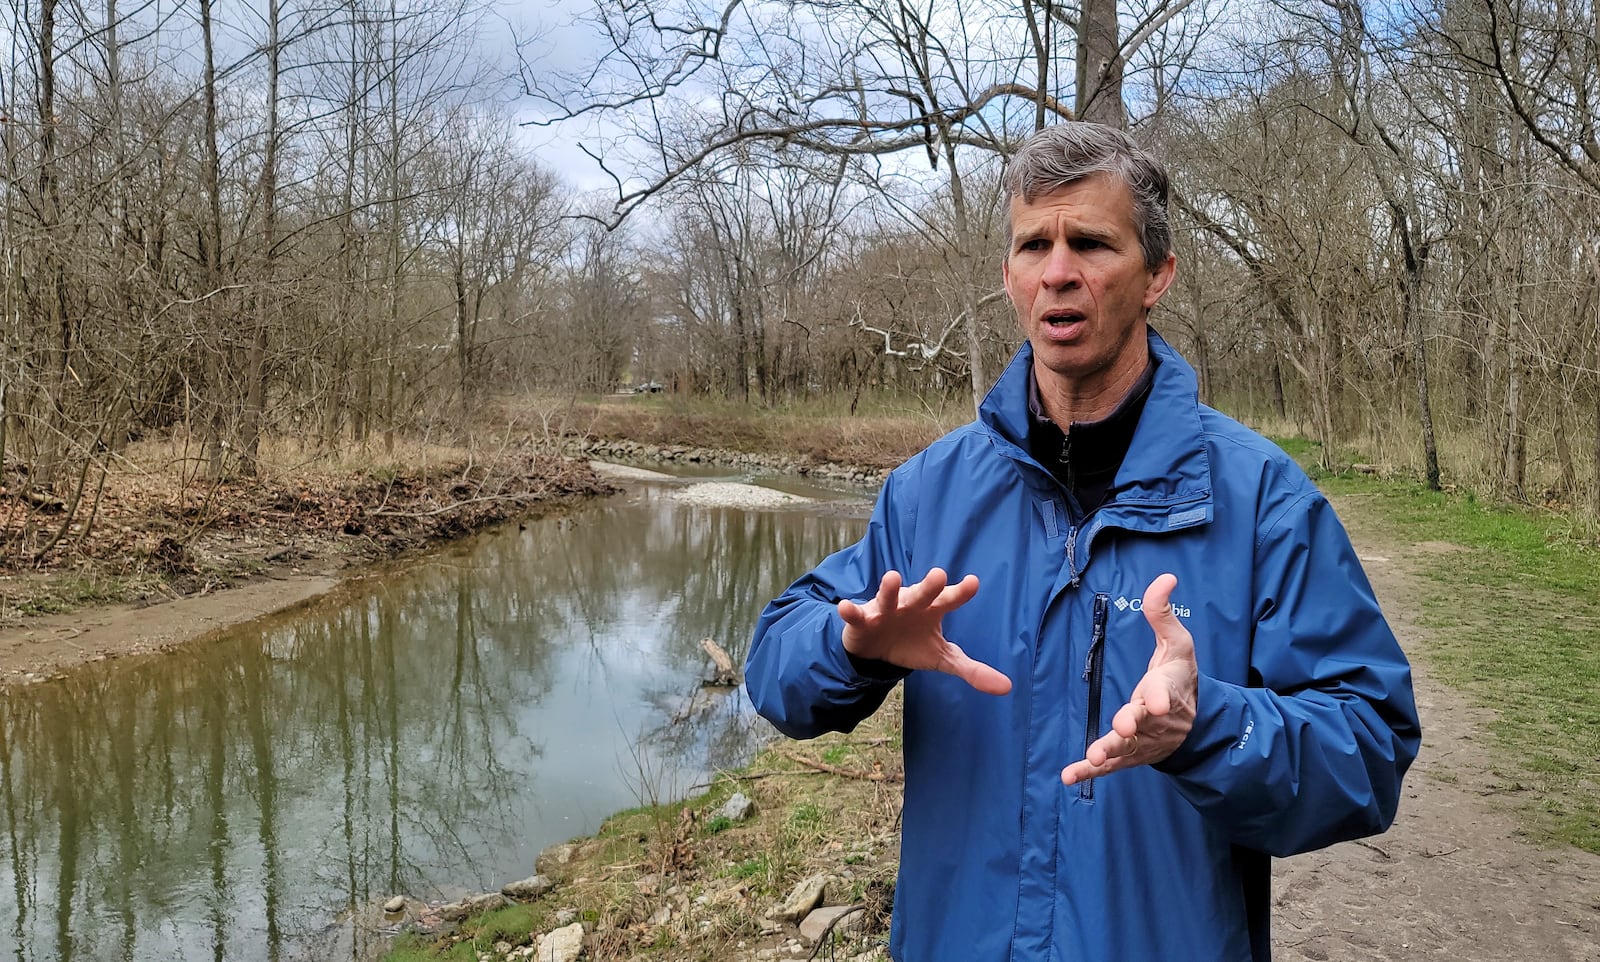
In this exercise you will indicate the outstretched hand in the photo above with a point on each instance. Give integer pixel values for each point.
(1159, 715)
(904, 626)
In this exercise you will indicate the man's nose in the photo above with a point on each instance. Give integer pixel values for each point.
(1062, 270)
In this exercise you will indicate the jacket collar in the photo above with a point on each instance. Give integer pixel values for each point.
(1166, 464)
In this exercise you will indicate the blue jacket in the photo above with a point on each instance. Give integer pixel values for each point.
(1306, 720)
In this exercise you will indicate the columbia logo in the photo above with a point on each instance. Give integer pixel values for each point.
(1137, 604)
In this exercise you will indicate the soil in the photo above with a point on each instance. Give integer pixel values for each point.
(1455, 878)
(185, 561)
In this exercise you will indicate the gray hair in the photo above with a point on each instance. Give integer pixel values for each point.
(1060, 156)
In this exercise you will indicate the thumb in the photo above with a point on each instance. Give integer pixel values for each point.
(1173, 640)
(985, 678)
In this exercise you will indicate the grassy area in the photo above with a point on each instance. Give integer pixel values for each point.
(881, 439)
(1514, 618)
(1513, 612)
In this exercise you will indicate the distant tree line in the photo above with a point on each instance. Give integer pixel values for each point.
(318, 220)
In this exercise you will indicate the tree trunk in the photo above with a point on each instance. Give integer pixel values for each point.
(1099, 65)
(1514, 458)
(213, 406)
(256, 359)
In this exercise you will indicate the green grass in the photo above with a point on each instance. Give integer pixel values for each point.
(1514, 622)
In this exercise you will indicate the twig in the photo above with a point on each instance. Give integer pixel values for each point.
(449, 507)
(822, 766)
(822, 940)
(1369, 845)
(1448, 851)
(746, 777)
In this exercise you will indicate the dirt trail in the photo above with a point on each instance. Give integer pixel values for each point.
(1453, 879)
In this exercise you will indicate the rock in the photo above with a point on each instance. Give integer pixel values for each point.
(456, 911)
(396, 904)
(818, 921)
(647, 884)
(662, 915)
(736, 809)
(802, 899)
(566, 916)
(502, 947)
(554, 857)
(529, 888)
(561, 945)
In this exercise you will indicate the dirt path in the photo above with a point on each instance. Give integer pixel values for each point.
(1453, 879)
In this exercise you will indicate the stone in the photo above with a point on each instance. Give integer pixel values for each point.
(562, 945)
(802, 898)
(554, 857)
(648, 884)
(818, 921)
(736, 809)
(662, 915)
(529, 888)
(456, 911)
(502, 947)
(566, 916)
(396, 904)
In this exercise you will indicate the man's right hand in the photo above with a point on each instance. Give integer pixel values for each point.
(904, 626)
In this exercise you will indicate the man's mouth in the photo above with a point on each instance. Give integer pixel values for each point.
(1062, 318)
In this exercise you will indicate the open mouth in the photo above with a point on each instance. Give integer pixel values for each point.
(1063, 318)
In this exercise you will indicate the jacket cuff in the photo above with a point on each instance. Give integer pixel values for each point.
(1221, 721)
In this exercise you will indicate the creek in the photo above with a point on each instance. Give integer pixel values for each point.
(425, 731)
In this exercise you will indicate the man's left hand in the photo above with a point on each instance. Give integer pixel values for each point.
(1157, 719)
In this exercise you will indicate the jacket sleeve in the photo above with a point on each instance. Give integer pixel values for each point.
(798, 675)
(1313, 750)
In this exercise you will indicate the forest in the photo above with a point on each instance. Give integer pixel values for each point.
(224, 222)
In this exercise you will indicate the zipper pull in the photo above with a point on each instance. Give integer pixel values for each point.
(1098, 638)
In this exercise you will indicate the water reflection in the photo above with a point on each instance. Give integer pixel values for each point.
(432, 730)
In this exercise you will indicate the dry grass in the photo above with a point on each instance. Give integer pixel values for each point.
(881, 440)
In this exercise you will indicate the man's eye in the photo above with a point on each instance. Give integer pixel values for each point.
(1087, 244)
(1035, 244)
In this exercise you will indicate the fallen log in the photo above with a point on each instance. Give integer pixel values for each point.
(726, 675)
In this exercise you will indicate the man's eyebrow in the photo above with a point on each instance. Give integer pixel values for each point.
(1104, 235)
(1027, 234)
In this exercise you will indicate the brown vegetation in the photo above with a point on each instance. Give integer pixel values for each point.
(149, 532)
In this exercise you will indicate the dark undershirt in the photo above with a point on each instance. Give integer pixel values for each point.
(1086, 457)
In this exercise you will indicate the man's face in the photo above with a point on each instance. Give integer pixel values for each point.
(1077, 277)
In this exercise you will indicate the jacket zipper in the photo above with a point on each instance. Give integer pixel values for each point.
(1094, 674)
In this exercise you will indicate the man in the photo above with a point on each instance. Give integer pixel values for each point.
(1134, 548)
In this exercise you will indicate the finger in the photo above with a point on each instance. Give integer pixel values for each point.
(1172, 638)
(1129, 719)
(888, 598)
(926, 591)
(956, 595)
(985, 678)
(1083, 770)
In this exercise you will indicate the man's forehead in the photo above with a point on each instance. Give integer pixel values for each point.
(1091, 194)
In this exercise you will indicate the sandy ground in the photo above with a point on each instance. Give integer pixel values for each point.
(1453, 879)
(43, 646)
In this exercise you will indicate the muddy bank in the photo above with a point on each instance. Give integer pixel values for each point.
(168, 564)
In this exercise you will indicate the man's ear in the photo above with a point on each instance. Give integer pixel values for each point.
(1160, 279)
